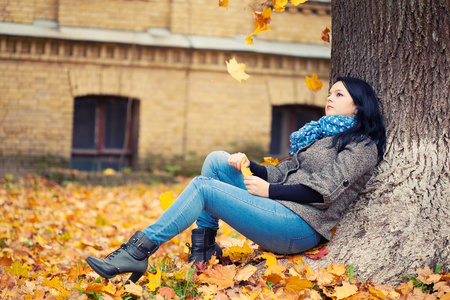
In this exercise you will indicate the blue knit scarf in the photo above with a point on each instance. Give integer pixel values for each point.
(314, 130)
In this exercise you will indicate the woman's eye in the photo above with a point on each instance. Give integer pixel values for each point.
(339, 94)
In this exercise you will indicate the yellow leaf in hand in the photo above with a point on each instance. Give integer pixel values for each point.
(237, 70)
(312, 83)
(166, 200)
(245, 170)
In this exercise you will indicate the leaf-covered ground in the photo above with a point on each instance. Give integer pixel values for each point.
(47, 230)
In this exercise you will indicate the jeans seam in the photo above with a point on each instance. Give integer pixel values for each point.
(249, 203)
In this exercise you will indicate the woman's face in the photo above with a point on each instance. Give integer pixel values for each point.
(339, 101)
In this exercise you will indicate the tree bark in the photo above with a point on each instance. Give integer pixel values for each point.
(402, 220)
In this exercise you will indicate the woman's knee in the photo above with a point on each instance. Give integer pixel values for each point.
(214, 160)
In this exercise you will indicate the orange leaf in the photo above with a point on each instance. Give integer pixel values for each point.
(245, 170)
(274, 273)
(262, 19)
(167, 292)
(222, 276)
(223, 3)
(325, 35)
(237, 70)
(245, 273)
(279, 5)
(312, 83)
(294, 284)
(134, 289)
(346, 290)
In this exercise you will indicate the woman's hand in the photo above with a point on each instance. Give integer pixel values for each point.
(235, 160)
(257, 186)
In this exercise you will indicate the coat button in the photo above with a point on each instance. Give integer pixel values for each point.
(346, 183)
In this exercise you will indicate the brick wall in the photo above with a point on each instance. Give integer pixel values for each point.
(188, 102)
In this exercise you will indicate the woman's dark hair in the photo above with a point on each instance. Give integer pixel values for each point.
(369, 122)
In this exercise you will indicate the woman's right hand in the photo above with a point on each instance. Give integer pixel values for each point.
(235, 160)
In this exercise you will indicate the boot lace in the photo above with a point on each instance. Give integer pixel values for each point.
(112, 254)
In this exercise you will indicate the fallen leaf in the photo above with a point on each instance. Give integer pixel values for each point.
(237, 70)
(18, 269)
(134, 289)
(346, 290)
(222, 276)
(167, 292)
(245, 273)
(316, 253)
(166, 200)
(427, 276)
(295, 284)
(271, 259)
(336, 270)
(154, 280)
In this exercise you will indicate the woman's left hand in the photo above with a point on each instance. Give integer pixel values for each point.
(257, 186)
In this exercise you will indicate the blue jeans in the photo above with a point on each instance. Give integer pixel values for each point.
(220, 193)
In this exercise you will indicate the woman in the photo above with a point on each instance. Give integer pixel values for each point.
(286, 208)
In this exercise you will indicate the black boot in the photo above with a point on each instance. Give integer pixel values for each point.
(203, 245)
(131, 257)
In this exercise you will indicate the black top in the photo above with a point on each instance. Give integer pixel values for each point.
(296, 192)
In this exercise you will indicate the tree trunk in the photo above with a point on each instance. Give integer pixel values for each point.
(402, 220)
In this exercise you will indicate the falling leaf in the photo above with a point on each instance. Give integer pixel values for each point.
(346, 290)
(270, 161)
(237, 70)
(262, 19)
(223, 3)
(222, 276)
(279, 5)
(312, 83)
(154, 280)
(249, 40)
(297, 2)
(325, 35)
(166, 200)
(245, 170)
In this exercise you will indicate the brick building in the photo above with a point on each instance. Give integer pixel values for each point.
(94, 84)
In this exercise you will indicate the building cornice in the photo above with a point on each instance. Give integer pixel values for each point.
(162, 37)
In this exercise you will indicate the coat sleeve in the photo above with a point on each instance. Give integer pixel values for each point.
(346, 175)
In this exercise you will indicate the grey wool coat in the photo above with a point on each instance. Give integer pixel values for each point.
(338, 177)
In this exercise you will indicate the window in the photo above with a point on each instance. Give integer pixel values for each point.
(104, 133)
(287, 119)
